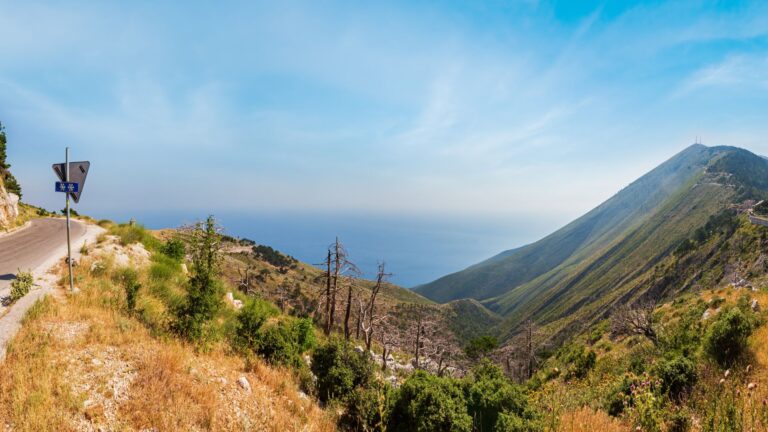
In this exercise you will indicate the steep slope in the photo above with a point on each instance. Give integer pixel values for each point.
(613, 264)
(582, 237)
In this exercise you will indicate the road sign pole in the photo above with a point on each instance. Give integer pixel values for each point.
(69, 244)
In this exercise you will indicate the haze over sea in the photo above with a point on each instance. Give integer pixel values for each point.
(417, 249)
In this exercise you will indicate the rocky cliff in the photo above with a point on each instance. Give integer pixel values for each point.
(9, 208)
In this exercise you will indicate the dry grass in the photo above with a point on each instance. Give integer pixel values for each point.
(81, 363)
(589, 420)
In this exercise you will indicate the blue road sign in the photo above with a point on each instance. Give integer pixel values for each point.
(67, 187)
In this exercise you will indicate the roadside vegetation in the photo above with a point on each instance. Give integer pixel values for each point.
(162, 322)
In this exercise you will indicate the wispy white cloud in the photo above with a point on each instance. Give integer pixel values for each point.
(408, 108)
(738, 71)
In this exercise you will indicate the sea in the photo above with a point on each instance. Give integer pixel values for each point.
(416, 249)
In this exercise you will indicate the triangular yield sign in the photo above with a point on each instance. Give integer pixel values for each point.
(78, 171)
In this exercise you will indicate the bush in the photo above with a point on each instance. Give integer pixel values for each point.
(490, 396)
(21, 285)
(249, 322)
(369, 409)
(129, 279)
(481, 346)
(174, 248)
(677, 375)
(305, 333)
(339, 370)
(619, 397)
(278, 346)
(726, 338)
(579, 359)
(429, 403)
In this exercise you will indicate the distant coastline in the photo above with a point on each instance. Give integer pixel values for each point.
(417, 249)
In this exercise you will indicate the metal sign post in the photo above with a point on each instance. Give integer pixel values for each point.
(69, 242)
(72, 176)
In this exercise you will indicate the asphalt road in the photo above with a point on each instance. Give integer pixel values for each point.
(32, 246)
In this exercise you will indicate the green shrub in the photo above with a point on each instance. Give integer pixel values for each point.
(429, 403)
(679, 421)
(174, 248)
(249, 322)
(339, 370)
(278, 345)
(21, 285)
(619, 397)
(726, 338)
(304, 331)
(204, 289)
(579, 359)
(490, 395)
(129, 279)
(481, 346)
(369, 409)
(677, 374)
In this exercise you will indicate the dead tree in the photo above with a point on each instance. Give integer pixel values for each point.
(244, 284)
(422, 332)
(389, 339)
(367, 312)
(529, 351)
(328, 289)
(338, 271)
(282, 292)
(636, 320)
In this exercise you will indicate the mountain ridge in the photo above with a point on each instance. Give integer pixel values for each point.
(601, 257)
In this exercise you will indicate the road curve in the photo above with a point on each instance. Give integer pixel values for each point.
(32, 246)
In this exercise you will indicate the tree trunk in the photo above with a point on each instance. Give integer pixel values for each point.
(348, 312)
(328, 320)
(336, 270)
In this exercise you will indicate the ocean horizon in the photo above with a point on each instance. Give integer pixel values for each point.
(416, 249)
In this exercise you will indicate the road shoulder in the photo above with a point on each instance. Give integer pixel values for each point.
(45, 281)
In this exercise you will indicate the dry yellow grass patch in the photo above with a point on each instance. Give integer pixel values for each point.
(80, 363)
(588, 420)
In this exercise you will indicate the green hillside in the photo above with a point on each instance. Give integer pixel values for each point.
(609, 255)
(584, 236)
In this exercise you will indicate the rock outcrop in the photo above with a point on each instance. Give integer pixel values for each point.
(9, 208)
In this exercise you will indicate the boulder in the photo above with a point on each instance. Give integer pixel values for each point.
(244, 384)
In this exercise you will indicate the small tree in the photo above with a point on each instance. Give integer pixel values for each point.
(11, 184)
(481, 346)
(174, 248)
(636, 320)
(339, 370)
(726, 338)
(203, 293)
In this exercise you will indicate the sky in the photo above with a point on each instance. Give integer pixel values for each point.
(528, 110)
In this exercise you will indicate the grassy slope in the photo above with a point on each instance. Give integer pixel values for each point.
(583, 237)
(466, 319)
(580, 289)
(84, 363)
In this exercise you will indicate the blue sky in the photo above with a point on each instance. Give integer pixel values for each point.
(520, 109)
